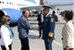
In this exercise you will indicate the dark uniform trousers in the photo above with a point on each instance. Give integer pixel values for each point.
(48, 44)
(24, 44)
(4, 48)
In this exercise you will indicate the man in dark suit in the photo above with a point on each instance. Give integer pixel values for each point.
(23, 27)
(40, 19)
(55, 16)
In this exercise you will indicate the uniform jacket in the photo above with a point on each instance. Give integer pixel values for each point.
(48, 26)
(23, 27)
(68, 35)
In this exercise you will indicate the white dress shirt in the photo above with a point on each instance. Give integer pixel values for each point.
(68, 35)
(5, 37)
(42, 18)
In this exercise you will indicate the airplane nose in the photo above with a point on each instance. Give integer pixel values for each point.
(13, 13)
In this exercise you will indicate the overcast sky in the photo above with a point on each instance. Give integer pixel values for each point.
(61, 0)
(54, 2)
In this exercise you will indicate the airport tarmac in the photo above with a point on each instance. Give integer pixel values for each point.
(37, 43)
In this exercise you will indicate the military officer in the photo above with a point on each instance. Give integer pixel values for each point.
(48, 29)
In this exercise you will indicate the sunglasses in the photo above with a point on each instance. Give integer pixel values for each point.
(8, 19)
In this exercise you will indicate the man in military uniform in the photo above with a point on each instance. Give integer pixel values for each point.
(48, 29)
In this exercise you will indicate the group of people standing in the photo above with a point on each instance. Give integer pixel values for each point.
(47, 25)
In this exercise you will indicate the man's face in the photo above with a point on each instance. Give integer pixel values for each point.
(46, 12)
(27, 13)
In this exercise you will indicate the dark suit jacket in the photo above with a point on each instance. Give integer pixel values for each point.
(39, 19)
(55, 17)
